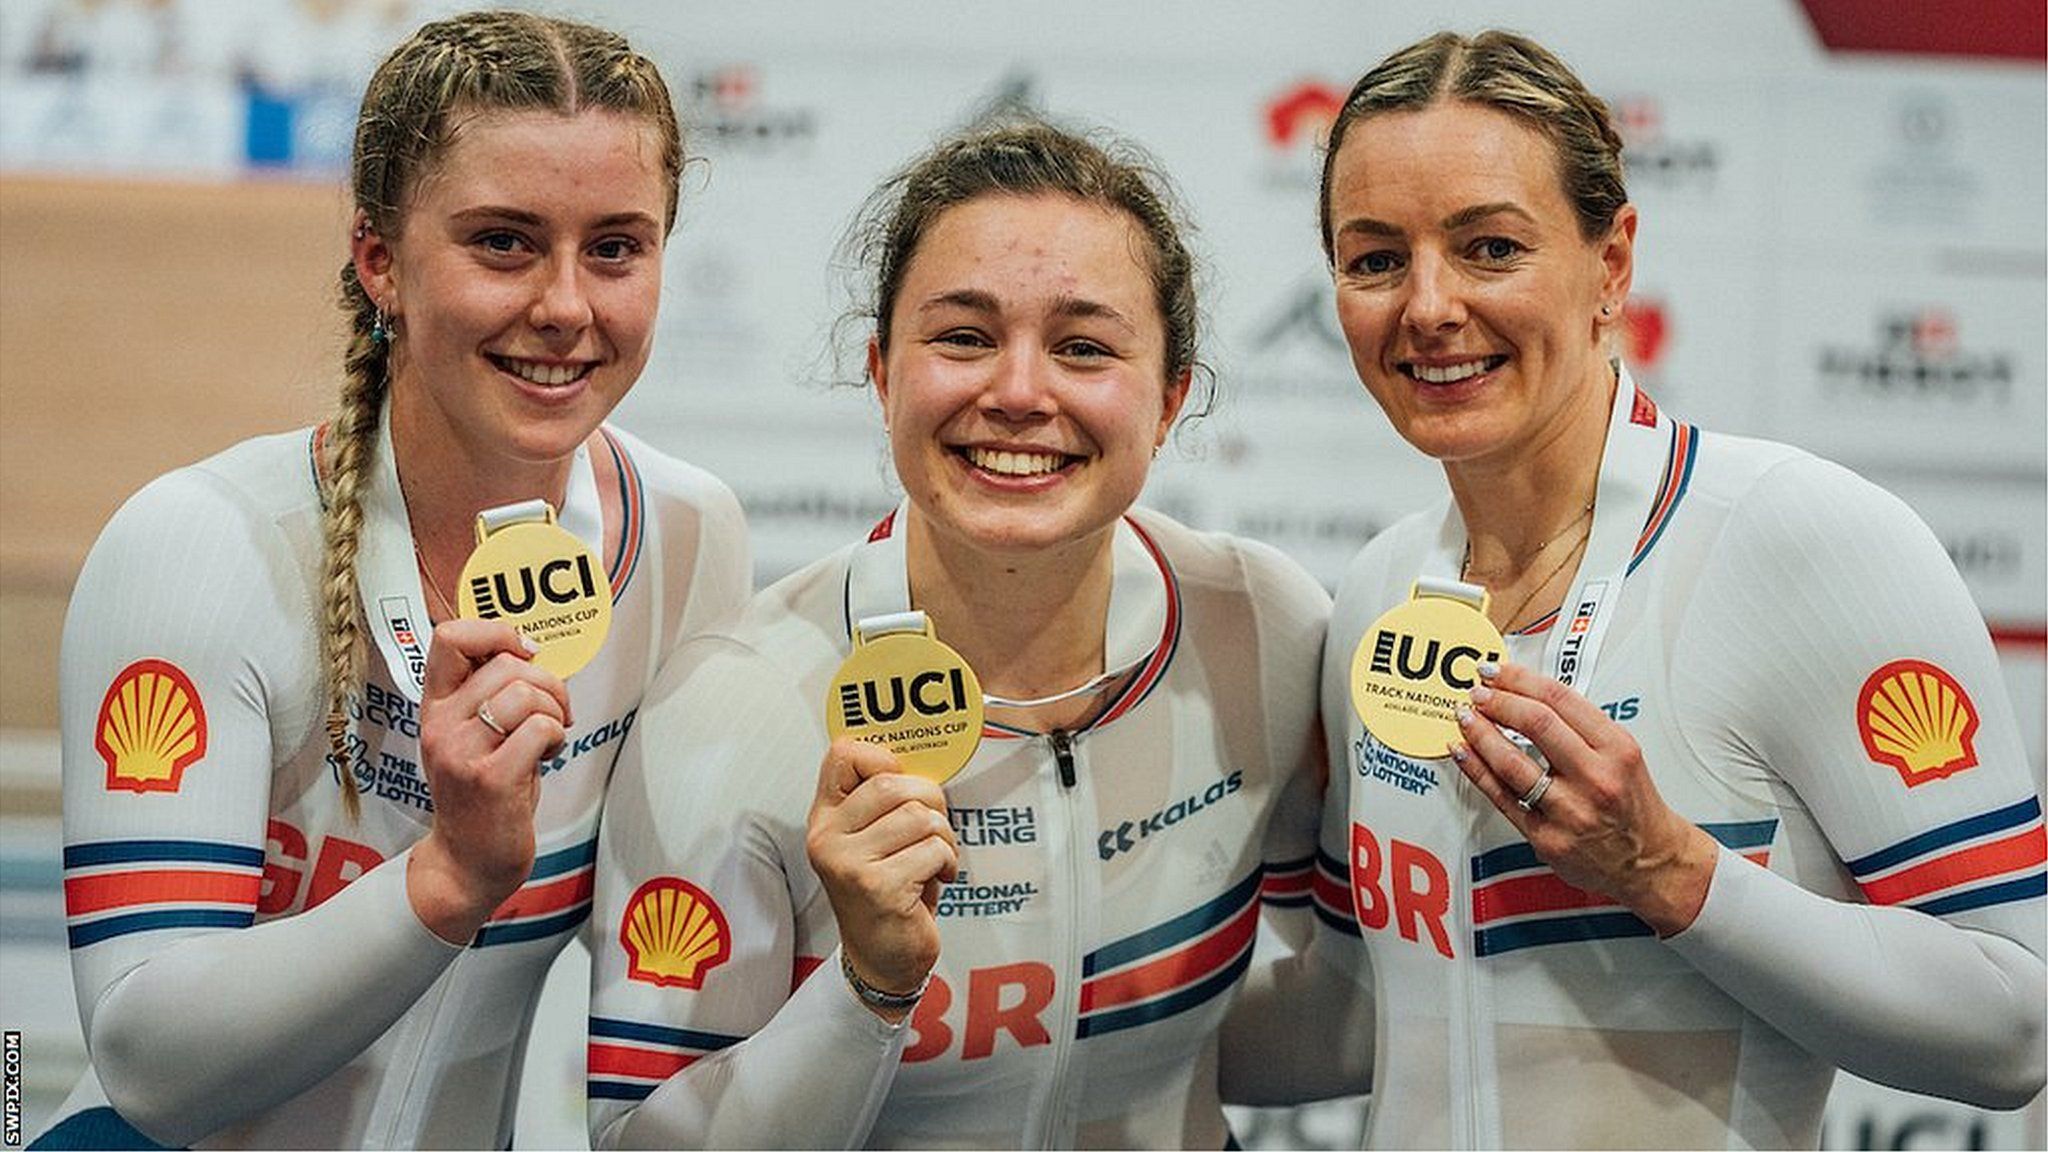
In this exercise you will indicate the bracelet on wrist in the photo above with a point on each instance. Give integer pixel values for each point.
(875, 997)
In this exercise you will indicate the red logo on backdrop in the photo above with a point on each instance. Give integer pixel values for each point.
(1645, 330)
(731, 87)
(1304, 111)
(1934, 333)
(1638, 119)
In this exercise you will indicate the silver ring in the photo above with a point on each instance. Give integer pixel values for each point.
(1534, 795)
(483, 713)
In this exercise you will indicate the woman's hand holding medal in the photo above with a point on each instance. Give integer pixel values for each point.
(882, 845)
(480, 679)
(1592, 811)
(534, 608)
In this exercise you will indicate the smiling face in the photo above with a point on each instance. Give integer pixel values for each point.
(524, 284)
(1467, 293)
(1024, 381)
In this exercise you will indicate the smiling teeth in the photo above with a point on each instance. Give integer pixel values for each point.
(549, 375)
(1014, 463)
(1449, 373)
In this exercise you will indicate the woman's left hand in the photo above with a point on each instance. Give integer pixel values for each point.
(1599, 821)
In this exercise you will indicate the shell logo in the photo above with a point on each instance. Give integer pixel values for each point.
(151, 727)
(673, 933)
(1916, 718)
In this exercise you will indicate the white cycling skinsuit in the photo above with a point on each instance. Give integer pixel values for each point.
(1809, 682)
(250, 972)
(1105, 910)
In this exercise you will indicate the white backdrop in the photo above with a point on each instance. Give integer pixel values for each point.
(1847, 252)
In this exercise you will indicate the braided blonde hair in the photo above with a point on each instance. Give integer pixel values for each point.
(475, 62)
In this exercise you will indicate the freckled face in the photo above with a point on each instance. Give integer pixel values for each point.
(524, 282)
(1025, 376)
(1468, 296)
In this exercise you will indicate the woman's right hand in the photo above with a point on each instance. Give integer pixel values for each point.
(881, 842)
(485, 786)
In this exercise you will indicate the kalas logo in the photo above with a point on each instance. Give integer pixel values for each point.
(1301, 114)
(1919, 356)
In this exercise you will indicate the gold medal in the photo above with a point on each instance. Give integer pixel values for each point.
(1416, 665)
(537, 576)
(904, 689)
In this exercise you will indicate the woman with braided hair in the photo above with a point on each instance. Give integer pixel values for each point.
(316, 865)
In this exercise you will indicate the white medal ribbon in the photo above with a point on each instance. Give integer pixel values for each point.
(387, 568)
(1630, 465)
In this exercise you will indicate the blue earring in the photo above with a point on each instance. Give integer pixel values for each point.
(380, 329)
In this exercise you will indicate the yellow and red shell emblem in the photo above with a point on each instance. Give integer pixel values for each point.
(152, 726)
(1916, 718)
(673, 933)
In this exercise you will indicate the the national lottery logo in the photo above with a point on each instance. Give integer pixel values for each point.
(1377, 762)
(1645, 333)
(972, 898)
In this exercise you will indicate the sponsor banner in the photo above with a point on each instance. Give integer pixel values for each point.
(1925, 154)
(1916, 371)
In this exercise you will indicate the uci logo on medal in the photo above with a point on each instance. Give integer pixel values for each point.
(1417, 665)
(565, 580)
(905, 690)
(929, 693)
(541, 579)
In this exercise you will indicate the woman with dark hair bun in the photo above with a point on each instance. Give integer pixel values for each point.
(1039, 951)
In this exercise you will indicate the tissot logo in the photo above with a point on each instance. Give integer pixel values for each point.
(1657, 158)
(726, 108)
(1920, 356)
(1986, 553)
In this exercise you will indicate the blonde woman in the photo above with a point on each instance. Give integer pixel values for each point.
(321, 913)
(1768, 815)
